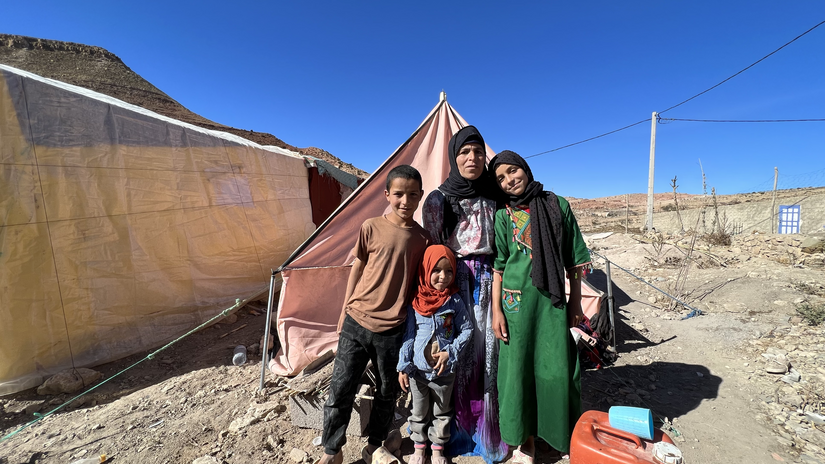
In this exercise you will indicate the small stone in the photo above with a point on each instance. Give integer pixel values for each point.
(297, 455)
(34, 407)
(792, 377)
(69, 381)
(273, 443)
(317, 441)
(206, 460)
(239, 424)
(793, 400)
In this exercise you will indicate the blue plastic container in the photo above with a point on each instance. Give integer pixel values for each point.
(638, 421)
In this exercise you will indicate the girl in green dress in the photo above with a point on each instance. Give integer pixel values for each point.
(538, 245)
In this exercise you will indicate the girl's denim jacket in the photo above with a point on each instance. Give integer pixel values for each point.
(451, 327)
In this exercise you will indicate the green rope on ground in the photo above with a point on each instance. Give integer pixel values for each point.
(39, 417)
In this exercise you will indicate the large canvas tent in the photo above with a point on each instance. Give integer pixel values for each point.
(121, 229)
(315, 276)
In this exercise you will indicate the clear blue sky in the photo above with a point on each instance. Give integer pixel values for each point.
(356, 78)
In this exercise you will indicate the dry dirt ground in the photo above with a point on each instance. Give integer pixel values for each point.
(704, 375)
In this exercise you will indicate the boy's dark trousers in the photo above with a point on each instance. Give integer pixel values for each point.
(356, 346)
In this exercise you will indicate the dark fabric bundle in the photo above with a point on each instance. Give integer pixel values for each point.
(548, 269)
(457, 188)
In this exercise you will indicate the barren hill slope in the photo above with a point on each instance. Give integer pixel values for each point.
(98, 69)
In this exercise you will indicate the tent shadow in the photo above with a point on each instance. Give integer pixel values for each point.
(666, 388)
(211, 347)
(629, 338)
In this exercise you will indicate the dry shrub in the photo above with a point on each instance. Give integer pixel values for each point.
(811, 313)
(718, 238)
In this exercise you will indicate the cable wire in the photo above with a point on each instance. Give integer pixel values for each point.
(685, 101)
(740, 72)
(660, 120)
(591, 138)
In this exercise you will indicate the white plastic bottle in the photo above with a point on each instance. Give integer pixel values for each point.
(239, 357)
(95, 460)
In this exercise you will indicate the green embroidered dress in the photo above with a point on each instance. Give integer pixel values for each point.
(538, 370)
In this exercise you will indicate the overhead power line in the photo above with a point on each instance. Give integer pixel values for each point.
(666, 120)
(740, 72)
(591, 138)
(684, 101)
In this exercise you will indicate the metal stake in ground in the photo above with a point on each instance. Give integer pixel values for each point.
(266, 330)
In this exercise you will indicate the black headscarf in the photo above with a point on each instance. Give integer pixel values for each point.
(457, 188)
(548, 268)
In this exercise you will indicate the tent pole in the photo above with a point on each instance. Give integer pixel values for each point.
(266, 331)
(610, 303)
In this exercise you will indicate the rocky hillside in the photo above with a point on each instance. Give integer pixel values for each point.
(98, 69)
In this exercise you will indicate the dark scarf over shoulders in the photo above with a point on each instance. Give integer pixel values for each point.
(547, 232)
(457, 188)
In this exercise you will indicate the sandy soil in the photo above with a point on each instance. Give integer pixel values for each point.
(704, 375)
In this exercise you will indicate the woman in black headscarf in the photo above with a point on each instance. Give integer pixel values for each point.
(460, 215)
(538, 245)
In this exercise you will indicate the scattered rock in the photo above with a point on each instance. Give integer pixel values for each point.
(34, 407)
(298, 455)
(69, 381)
(271, 442)
(206, 460)
(793, 400)
(241, 423)
(791, 377)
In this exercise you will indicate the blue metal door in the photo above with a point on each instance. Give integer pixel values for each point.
(789, 219)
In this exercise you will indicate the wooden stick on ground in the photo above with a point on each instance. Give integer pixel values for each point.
(233, 330)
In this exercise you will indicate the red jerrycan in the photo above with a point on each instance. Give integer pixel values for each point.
(594, 441)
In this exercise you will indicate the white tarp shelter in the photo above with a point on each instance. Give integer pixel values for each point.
(121, 229)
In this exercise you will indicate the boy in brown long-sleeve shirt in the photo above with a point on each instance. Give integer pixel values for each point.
(379, 288)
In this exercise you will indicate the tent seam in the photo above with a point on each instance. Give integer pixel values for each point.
(48, 226)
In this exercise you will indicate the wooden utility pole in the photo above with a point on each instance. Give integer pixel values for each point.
(649, 226)
(773, 203)
(626, 211)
